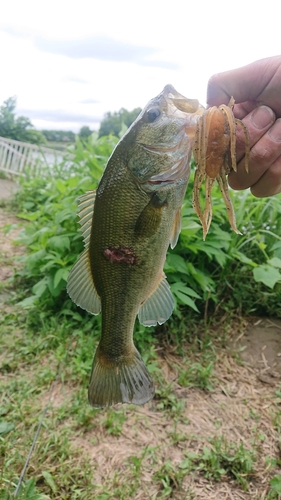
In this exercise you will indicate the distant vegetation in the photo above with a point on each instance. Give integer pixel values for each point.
(59, 135)
(19, 128)
(114, 123)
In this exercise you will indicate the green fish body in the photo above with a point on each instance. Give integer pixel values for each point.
(128, 224)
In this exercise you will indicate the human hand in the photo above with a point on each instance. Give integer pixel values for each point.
(256, 89)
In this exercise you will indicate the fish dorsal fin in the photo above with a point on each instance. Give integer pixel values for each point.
(159, 306)
(80, 285)
(176, 229)
(85, 211)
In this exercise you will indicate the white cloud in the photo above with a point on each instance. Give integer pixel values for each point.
(152, 44)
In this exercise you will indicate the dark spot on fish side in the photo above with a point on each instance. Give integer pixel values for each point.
(120, 255)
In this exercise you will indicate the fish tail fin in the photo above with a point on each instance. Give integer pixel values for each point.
(119, 380)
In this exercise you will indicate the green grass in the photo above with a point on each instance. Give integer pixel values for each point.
(40, 354)
(166, 449)
(222, 458)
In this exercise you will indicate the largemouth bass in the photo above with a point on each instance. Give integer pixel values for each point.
(128, 224)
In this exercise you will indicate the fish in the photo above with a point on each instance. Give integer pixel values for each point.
(128, 224)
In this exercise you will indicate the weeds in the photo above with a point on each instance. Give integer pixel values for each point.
(171, 479)
(197, 375)
(275, 488)
(168, 401)
(221, 459)
(113, 421)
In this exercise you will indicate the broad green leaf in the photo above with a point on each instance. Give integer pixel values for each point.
(185, 299)
(28, 302)
(50, 481)
(55, 290)
(275, 262)
(267, 274)
(243, 258)
(184, 289)
(202, 278)
(39, 288)
(61, 185)
(31, 492)
(61, 274)
(189, 224)
(33, 216)
(59, 242)
(6, 427)
(275, 484)
(176, 263)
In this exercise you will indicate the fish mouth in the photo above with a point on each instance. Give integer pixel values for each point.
(181, 106)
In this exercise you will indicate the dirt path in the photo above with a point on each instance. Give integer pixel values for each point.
(8, 249)
(7, 188)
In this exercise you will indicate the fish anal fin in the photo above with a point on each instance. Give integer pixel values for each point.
(159, 306)
(176, 229)
(121, 380)
(80, 285)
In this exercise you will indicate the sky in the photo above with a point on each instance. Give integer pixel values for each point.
(69, 63)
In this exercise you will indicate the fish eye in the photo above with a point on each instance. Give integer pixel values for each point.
(152, 114)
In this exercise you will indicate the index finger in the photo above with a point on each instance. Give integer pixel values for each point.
(259, 81)
(240, 83)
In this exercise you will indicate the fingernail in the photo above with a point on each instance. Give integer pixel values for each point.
(262, 116)
(275, 131)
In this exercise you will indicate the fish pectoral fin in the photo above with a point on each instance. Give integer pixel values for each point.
(120, 380)
(159, 306)
(85, 212)
(150, 218)
(176, 229)
(80, 285)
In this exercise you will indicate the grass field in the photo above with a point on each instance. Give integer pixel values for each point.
(211, 432)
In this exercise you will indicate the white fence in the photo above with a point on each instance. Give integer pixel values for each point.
(16, 157)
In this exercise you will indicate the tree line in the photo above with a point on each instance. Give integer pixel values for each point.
(20, 128)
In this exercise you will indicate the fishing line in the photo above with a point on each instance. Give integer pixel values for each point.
(54, 383)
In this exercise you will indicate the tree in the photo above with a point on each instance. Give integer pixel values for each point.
(59, 135)
(85, 132)
(19, 128)
(114, 122)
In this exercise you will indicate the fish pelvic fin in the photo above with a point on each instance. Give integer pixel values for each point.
(121, 380)
(176, 229)
(159, 306)
(80, 285)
